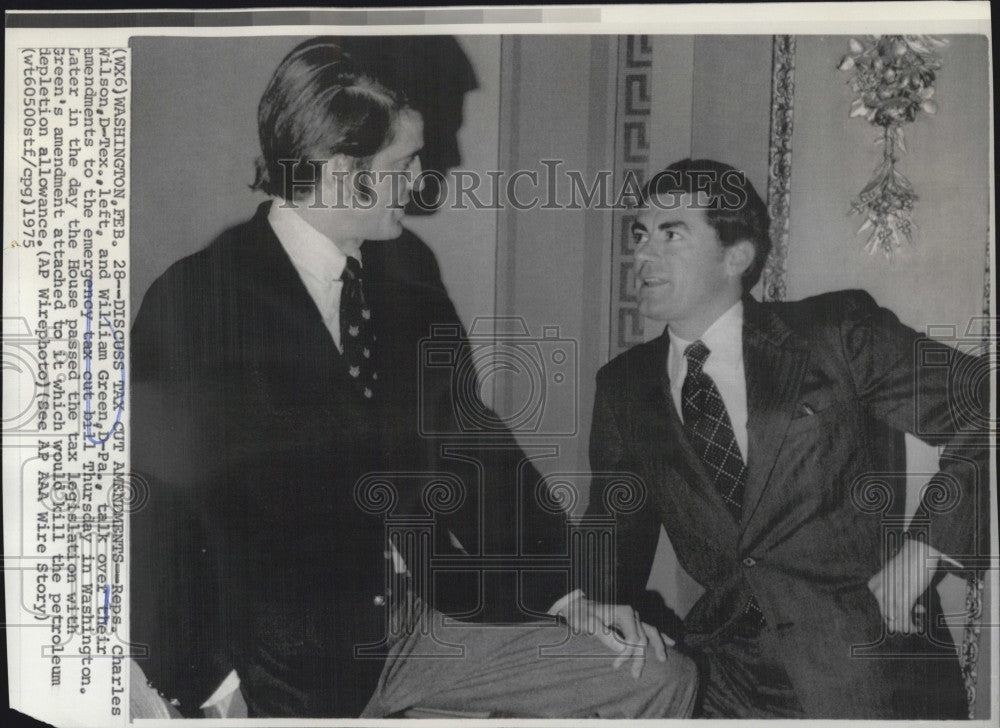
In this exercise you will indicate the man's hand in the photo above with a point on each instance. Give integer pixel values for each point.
(619, 627)
(901, 582)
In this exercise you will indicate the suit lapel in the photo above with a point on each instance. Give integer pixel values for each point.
(774, 363)
(681, 466)
(298, 328)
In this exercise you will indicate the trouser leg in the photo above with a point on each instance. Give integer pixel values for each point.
(742, 680)
(529, 670)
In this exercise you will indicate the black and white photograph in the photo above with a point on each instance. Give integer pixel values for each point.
(604, 371)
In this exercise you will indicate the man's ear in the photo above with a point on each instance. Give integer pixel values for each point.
(739, 257)
(336, 176)
(339, 167)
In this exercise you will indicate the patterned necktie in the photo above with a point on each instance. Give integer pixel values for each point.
(710, 432)
(356, 335)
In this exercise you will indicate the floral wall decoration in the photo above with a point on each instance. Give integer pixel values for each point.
(892, 77)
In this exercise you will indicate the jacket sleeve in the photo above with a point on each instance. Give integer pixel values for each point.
(619, 497)
(939, 394)
(176, 627)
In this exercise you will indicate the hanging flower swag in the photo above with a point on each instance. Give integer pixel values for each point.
(892, 77)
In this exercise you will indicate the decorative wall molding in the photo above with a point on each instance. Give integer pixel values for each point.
(969, 649)
(988, 292)
(631, 160)
(779, 169)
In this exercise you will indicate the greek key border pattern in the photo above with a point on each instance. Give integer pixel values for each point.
(779, 170)
(632, 136)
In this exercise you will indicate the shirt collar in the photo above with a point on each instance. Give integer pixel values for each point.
(309, 249)
(724, 338)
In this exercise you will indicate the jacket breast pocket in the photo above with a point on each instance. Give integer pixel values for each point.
(809, 416)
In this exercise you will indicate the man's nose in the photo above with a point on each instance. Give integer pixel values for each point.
(642, 253)
(415, 180)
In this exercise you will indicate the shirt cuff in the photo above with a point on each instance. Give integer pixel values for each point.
(945, 559)
(560, 605)
(229, 686)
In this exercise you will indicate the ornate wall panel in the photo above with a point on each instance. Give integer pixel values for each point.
(632, 125)
(974, 602)
(779, 172)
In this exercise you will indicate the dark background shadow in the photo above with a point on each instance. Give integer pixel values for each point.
(435, 74)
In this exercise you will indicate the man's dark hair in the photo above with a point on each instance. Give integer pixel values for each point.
(732, 206)
(320, 103)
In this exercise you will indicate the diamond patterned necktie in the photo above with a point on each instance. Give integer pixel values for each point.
(356, 335)
(710, 432)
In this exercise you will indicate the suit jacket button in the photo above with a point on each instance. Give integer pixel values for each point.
(749, 562)
(379, 600)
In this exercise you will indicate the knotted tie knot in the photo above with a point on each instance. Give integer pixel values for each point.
(352, 270)
(696, 354)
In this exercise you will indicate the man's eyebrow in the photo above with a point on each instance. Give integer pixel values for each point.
(668, 224)
(638, 227)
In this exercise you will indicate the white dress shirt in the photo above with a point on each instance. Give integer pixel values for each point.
(724, 339)
(317, 259)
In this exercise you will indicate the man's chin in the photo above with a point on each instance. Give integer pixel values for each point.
(646, 306)
(387, 233)
(650, 310)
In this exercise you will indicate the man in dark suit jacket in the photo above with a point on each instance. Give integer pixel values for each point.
(761, 432)
(277, 401)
